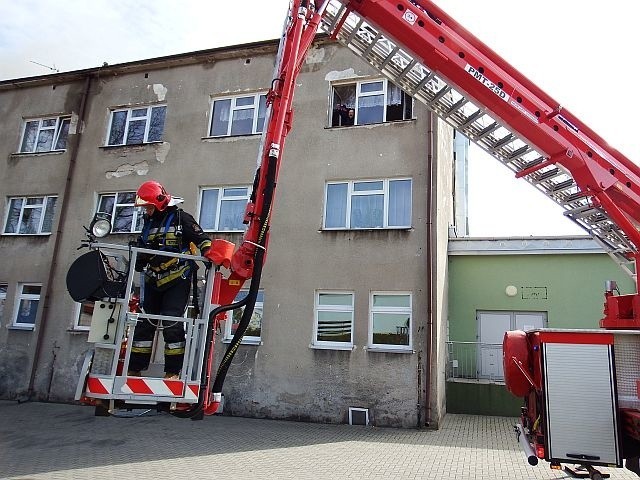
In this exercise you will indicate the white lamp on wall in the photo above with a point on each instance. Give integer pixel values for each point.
(511, 291)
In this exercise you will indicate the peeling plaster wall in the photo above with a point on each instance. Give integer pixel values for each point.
(283, 377)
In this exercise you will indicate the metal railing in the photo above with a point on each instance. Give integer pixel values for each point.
(474, 361)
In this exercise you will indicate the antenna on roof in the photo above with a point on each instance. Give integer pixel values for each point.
(53, 69)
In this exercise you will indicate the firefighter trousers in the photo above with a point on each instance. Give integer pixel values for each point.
(172, 302)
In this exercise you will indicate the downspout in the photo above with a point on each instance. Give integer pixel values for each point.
(64, 208)
(431, 187)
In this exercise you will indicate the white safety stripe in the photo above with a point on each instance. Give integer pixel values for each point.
(159, 387)
(142, 343)
(171, 346)
(152, 387)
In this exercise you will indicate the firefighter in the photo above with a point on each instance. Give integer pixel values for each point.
(166, 285)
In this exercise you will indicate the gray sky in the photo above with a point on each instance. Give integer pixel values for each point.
(581, 55)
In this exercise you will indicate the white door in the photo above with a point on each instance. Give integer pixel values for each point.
(491, 326)
(529, 320)
(491, 329)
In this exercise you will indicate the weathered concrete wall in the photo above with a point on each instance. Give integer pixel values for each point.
(283, 377)
(443, 209)
(28, 259)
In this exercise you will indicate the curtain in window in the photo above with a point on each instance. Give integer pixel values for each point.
(220, 120)
(336, 206)
(400, 203)
(242, 123)
(370, 109)
(232, 214)
(367, 211)
(394, 94)
(208, 209)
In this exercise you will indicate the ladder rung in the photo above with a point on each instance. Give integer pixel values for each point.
(454, 108)
(519, 152)
(502, 142)
(563, 185)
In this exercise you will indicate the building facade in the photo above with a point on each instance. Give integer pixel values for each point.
(353, 304)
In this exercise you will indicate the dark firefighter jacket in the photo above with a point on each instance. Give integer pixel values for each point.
(172, 230)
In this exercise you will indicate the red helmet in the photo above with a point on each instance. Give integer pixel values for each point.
(152, 193)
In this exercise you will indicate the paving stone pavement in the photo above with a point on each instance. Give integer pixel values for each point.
(56, 441)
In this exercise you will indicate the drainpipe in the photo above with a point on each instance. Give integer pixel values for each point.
(64, 208)
(429, 253)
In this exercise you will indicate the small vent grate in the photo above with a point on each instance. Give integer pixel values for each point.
(358, 416)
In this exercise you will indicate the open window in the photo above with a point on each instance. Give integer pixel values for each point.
(370, 102)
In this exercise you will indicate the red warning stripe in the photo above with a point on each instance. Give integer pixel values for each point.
(94, 385)
(138, 385)
(175, 386)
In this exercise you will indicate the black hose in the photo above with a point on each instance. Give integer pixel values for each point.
(255, 280)
(249, 302)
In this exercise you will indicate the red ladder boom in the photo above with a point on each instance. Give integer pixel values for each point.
(423, 50)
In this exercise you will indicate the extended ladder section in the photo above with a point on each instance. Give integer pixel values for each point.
(426, 53)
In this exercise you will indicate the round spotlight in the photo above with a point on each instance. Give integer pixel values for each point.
(101, 227)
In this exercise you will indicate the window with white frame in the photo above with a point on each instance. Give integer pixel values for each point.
(30, 215)
(239, 115)
(134, 126)
(3, 298)
(333, 325)
(390, 322)
(45, 134)
(368, 204)
(125, 216)
(222, 209)
(84, 312)
(27, 301)
(368, 102)
(254, 329)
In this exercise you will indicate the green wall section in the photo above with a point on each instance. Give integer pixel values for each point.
(573, 285)
(482, 399)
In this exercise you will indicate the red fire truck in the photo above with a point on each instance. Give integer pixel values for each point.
(581, 389)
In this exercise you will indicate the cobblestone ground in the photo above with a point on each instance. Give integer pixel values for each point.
(53, 441)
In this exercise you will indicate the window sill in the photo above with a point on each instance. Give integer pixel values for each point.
(48, 234)
(77, 331)
(332, 347)
(375, 229)
(244, 342)
(133, 145)
(349, 127)
(29, 328)
(36, 154)
(389, 350)
(230, 138)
